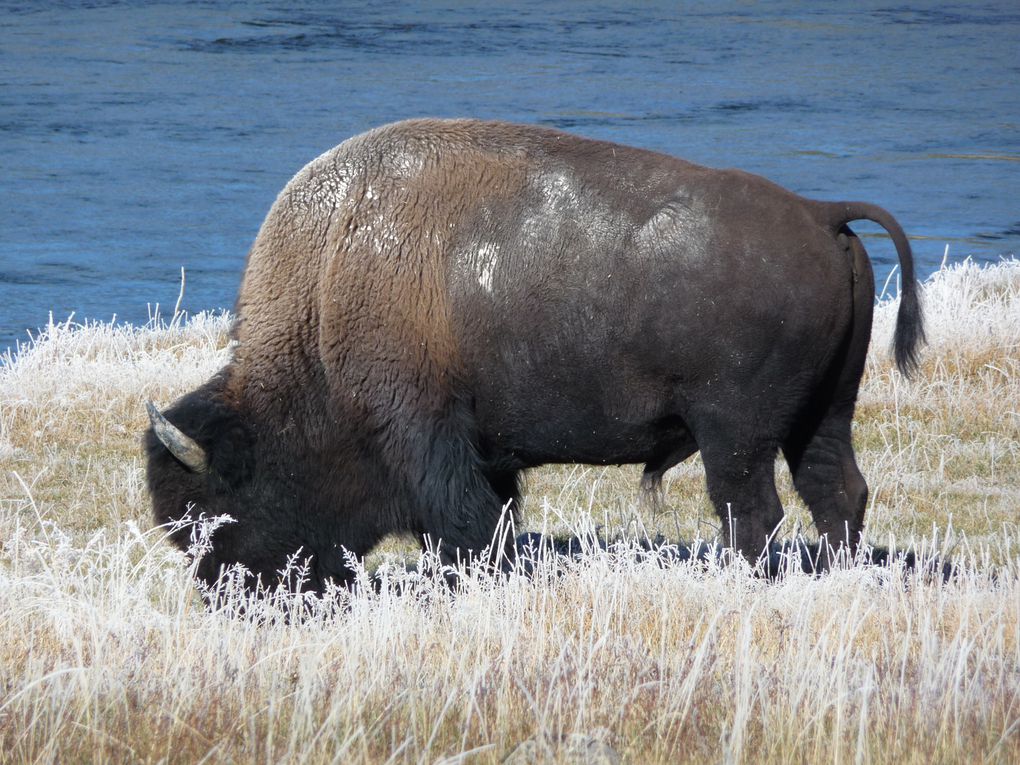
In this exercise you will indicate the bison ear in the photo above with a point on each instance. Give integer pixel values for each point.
(184, 448)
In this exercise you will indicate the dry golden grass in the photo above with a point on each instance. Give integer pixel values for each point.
(107, 654)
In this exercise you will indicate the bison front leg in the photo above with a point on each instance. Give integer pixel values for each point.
(468, 522)
(466, 511)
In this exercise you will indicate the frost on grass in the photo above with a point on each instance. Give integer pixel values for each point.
(107, 652)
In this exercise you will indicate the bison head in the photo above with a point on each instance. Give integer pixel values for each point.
(204, 460)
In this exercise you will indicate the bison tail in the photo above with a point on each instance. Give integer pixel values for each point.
(910, 319)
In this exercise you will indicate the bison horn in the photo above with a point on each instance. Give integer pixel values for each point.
(184, 448)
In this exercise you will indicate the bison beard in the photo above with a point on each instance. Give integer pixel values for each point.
(434, 306)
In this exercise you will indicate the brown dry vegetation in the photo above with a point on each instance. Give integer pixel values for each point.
(107, 654)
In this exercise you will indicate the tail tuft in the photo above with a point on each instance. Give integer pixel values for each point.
(909, 335)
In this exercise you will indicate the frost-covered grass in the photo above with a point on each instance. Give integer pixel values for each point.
(107, 653)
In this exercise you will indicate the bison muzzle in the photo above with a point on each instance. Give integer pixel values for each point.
(433, 306)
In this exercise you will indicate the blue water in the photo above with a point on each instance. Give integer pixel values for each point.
(137, 138)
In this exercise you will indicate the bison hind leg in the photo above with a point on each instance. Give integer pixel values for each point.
(820, 451)
(739, 458)
(826, 476)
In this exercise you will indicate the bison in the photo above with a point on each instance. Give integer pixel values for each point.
(434, 306)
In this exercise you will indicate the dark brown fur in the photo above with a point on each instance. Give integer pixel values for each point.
(433, 306)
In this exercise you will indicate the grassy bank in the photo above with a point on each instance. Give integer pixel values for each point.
(106, 653)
